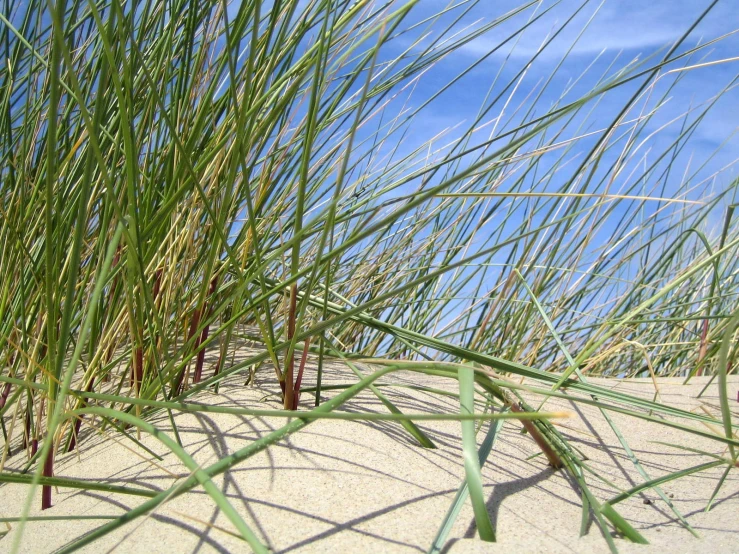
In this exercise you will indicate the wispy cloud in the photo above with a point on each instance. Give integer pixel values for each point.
(625, 25)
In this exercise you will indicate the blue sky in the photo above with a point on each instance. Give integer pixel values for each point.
(614, 33)
(599, 41)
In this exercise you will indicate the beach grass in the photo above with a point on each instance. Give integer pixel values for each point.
(179, 176)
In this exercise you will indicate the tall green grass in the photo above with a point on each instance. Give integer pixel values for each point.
(176, 172)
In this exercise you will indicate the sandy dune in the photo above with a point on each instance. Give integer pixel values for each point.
(366, 487)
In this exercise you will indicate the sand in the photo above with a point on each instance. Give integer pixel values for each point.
(366, 487)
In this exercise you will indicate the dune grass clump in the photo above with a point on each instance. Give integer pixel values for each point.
(179, 175)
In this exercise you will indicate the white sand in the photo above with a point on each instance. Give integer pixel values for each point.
(365, 487)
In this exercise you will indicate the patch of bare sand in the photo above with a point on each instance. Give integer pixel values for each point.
(366, 487)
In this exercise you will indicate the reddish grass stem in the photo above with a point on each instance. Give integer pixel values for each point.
(288, 384)
(6, 389)
(137, 369)
(48, 472)
(548, 451)
(193, 327)
(157, 286)
(299, 379)
(4, 395)
(27, 428)
(203, 336)
(78, 421)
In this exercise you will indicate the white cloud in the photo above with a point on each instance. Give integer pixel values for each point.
(619, 25)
